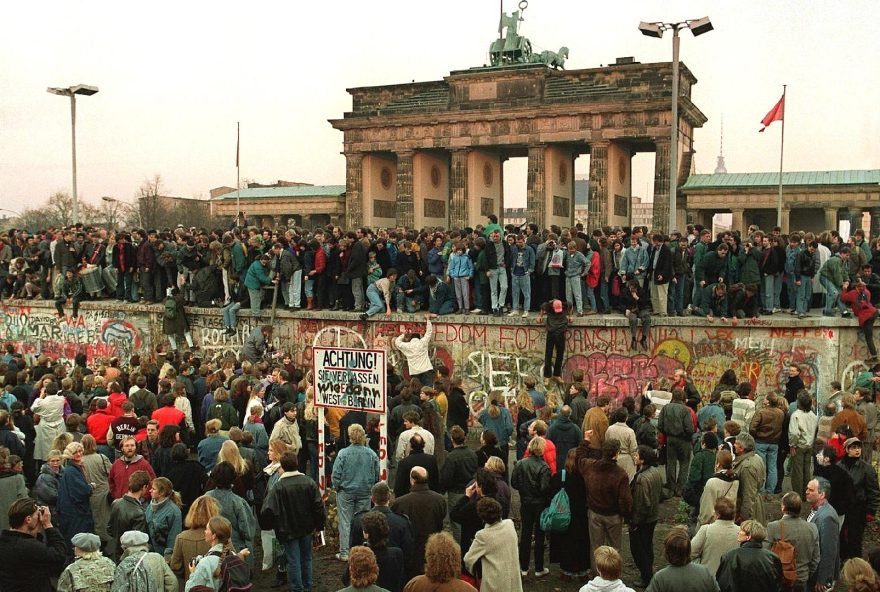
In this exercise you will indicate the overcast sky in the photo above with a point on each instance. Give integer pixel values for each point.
(174, 78)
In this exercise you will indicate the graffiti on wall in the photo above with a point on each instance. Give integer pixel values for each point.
(486, 357)
(95, 333)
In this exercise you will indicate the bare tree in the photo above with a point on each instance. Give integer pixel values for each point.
(149, 211)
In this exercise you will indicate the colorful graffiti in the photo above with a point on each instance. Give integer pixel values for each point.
(486, 356)
(98, 334)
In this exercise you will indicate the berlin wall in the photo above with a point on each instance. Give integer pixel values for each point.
(486, 353)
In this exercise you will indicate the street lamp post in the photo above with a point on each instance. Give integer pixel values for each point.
(697, 27)
(72, 91)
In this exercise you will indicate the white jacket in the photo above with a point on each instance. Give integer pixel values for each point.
(416, 351)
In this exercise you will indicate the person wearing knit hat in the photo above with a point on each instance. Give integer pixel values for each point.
(90, 569)
(865, 502)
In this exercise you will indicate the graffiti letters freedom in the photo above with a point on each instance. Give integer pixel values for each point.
(350, 378)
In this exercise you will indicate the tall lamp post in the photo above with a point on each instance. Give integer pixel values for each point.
(697, 27)
(72, 91)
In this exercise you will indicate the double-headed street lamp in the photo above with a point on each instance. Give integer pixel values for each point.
(697, 27)
(72, 91)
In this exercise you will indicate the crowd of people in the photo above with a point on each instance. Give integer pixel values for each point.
(169, 474)
(487, 269)
(183, 472)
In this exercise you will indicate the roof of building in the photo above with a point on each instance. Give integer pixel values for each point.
(730, 180)
(272, 192)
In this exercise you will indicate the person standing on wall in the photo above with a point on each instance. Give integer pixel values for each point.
(174, 321)
(415, 349)
(557, 319)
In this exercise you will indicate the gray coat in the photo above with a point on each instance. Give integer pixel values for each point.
(692, 577)
(805, 538)
(828, 524)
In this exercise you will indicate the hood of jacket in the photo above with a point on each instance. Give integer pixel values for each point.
(600, 584)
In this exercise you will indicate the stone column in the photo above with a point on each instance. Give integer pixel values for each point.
(661, 185)
(830, 218)
(458, 189)
(536, 201)
(786, 216)
(875, 223)
(405, 212)
(738, 222)
(855, 219)
(597, 205)
(354, 190)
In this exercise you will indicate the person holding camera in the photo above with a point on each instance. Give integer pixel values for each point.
(37, 560)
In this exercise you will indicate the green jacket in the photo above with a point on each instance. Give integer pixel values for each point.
(749, 269)
(835, 270)
(482, 267)
(490, 228)
(257, 276)
(702, 469)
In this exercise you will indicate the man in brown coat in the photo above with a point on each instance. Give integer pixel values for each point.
(849, 416)
(609, 498)
(766, 428)
(596, 420)
(426, 511)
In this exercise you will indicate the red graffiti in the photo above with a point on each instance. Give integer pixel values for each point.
(617, 375)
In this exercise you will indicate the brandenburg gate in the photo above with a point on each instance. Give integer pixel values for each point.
(431, 153)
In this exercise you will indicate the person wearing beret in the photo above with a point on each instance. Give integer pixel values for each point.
(90, 570)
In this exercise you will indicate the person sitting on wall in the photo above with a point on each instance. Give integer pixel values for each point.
(70, 286)
(743, 301)
(441, 300)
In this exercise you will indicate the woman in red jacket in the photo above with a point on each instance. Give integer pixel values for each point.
(859, 299)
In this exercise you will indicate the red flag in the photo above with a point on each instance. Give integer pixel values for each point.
(237, 141)
(776, 114)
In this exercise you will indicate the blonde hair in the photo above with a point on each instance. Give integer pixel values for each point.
(72, 449)
(442, 558)
(212, 426)
(61, 441)
(524, 400)
(356, 434)
(362, 567)
(229, 453)
(859, 576)
(310, 413)
(201, 511)
(608, 562)
(537, 446)
(496, 465)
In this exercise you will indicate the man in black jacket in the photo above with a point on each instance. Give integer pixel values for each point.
(458, 470)
(660, 272)
(417, 458)
(295, 510)
(29, 562)
(400, 529)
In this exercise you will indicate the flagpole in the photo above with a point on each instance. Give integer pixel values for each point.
(781, 152)
(237, 171)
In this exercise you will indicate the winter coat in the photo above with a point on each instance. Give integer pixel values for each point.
(750, 567)
(600, 584)
(835, 270)
(752, 473)
(35, 561)
(74, 509)
(701, 469)
(661, 271)
(749, 266)
(179, 324)
(628, 446)
(565, 434)
(647, 487)
(87, 575)
(46, 488)
(122, 469)
(864, 477)
(257, 276)
(235, 509)
(51, 412)
(608, 491)
(718, 486)
(164, 522)
(496, 550)
(531, 477)
(859, 299)
(692, 577)
(767, 424)
(712, 541)
(12, 487)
